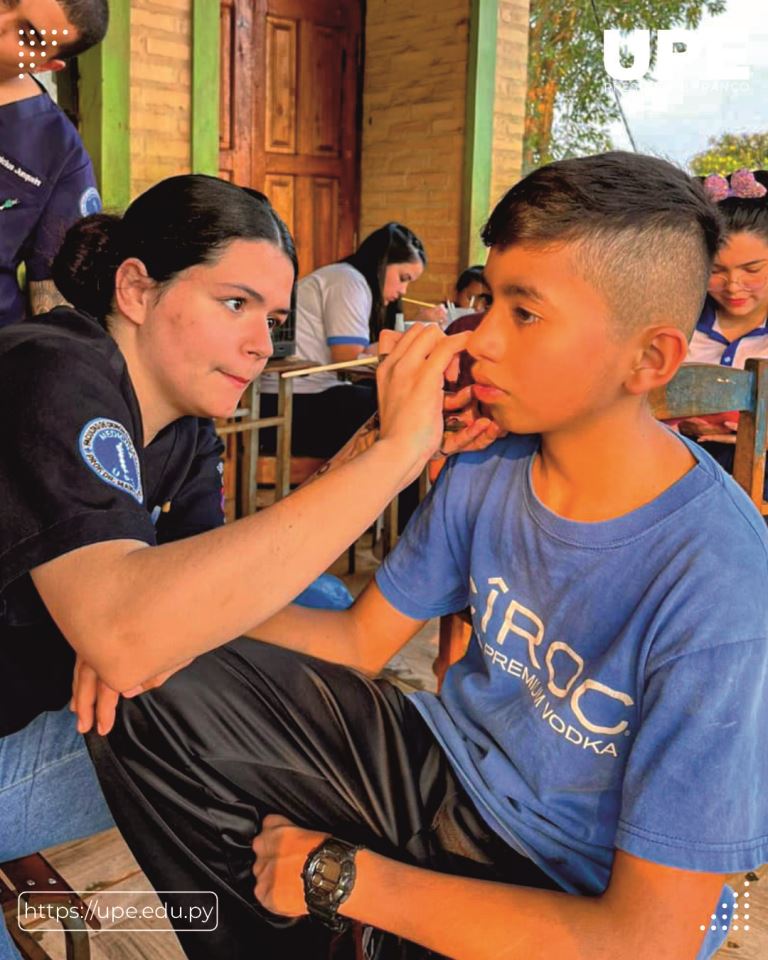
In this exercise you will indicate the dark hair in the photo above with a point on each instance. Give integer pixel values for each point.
(745, 215)
(179, 223)
(646, 231)
(470, 275)
(91, 19)
(392, 243)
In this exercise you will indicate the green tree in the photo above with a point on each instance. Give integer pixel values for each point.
(730, 152)
(570, 101)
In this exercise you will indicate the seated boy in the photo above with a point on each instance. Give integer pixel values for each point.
(594, 765)
(46, 177)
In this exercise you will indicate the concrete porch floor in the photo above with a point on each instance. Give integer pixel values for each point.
(104, 863)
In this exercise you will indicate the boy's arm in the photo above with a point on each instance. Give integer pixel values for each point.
(648, 912)
(364, 637)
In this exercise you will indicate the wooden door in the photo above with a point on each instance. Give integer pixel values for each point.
(290, 95)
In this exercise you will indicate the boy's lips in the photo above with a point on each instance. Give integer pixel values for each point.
(240, 381)
(487, 392)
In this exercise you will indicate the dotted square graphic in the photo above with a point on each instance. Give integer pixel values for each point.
(33, 44)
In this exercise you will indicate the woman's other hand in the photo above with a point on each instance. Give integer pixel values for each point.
(92, 700)
(466, 426)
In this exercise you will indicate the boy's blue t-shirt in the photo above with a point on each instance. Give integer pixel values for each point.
(615, 690)
(46, 184)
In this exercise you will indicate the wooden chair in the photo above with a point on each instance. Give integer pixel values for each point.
(696, 390)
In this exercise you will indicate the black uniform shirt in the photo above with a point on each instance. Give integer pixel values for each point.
(74, 471)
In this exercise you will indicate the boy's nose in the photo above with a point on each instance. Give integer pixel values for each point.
(484, 340)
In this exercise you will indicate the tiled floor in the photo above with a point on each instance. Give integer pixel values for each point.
(104, 863)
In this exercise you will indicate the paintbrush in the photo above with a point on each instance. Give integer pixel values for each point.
(343, 365)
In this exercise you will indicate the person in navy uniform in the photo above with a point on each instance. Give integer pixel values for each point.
(111, 538)
(46, 177)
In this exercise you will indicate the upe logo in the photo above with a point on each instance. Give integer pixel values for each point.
(680, 53)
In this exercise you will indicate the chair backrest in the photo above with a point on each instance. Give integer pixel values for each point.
(697, 389)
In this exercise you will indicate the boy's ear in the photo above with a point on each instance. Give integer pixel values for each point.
(660, 352)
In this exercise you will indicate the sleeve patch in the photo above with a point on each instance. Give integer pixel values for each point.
(108, 450)
(90, 202)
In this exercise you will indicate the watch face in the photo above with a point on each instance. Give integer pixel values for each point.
(326, 871)
(329, 876)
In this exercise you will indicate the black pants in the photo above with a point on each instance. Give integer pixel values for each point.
(322, 422)
(191, 768)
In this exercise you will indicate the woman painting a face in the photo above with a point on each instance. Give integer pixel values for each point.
(112, 544)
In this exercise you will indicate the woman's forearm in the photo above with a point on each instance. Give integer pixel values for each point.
(142, 612)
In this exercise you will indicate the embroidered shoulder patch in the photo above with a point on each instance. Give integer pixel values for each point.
(90, 202)
(107, 448)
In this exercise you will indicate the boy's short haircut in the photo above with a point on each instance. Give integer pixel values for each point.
(645, 232)
(91, 19)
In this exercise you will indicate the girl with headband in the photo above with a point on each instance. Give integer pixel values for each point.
(733, 325)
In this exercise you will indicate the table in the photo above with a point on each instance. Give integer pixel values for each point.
(247, 421)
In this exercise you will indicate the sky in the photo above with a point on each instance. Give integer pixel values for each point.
(674, 116)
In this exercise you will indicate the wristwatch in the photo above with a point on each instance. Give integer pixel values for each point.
(329, 876)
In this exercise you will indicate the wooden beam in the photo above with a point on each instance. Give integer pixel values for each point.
(105, 107)
(478, 141)
(205, 87)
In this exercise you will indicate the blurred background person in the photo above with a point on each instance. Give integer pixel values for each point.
(341, 309)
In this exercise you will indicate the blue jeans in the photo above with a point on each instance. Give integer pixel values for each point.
(49, 793)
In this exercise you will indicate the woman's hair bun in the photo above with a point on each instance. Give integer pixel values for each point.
(85, 266)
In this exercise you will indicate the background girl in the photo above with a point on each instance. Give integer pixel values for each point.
(340, 311)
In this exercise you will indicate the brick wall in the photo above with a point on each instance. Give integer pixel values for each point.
(509, 106)
(160, 90)
(413, 128)
(414, 108)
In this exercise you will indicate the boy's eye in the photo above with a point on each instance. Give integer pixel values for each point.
(235, 304)
(525, 317)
